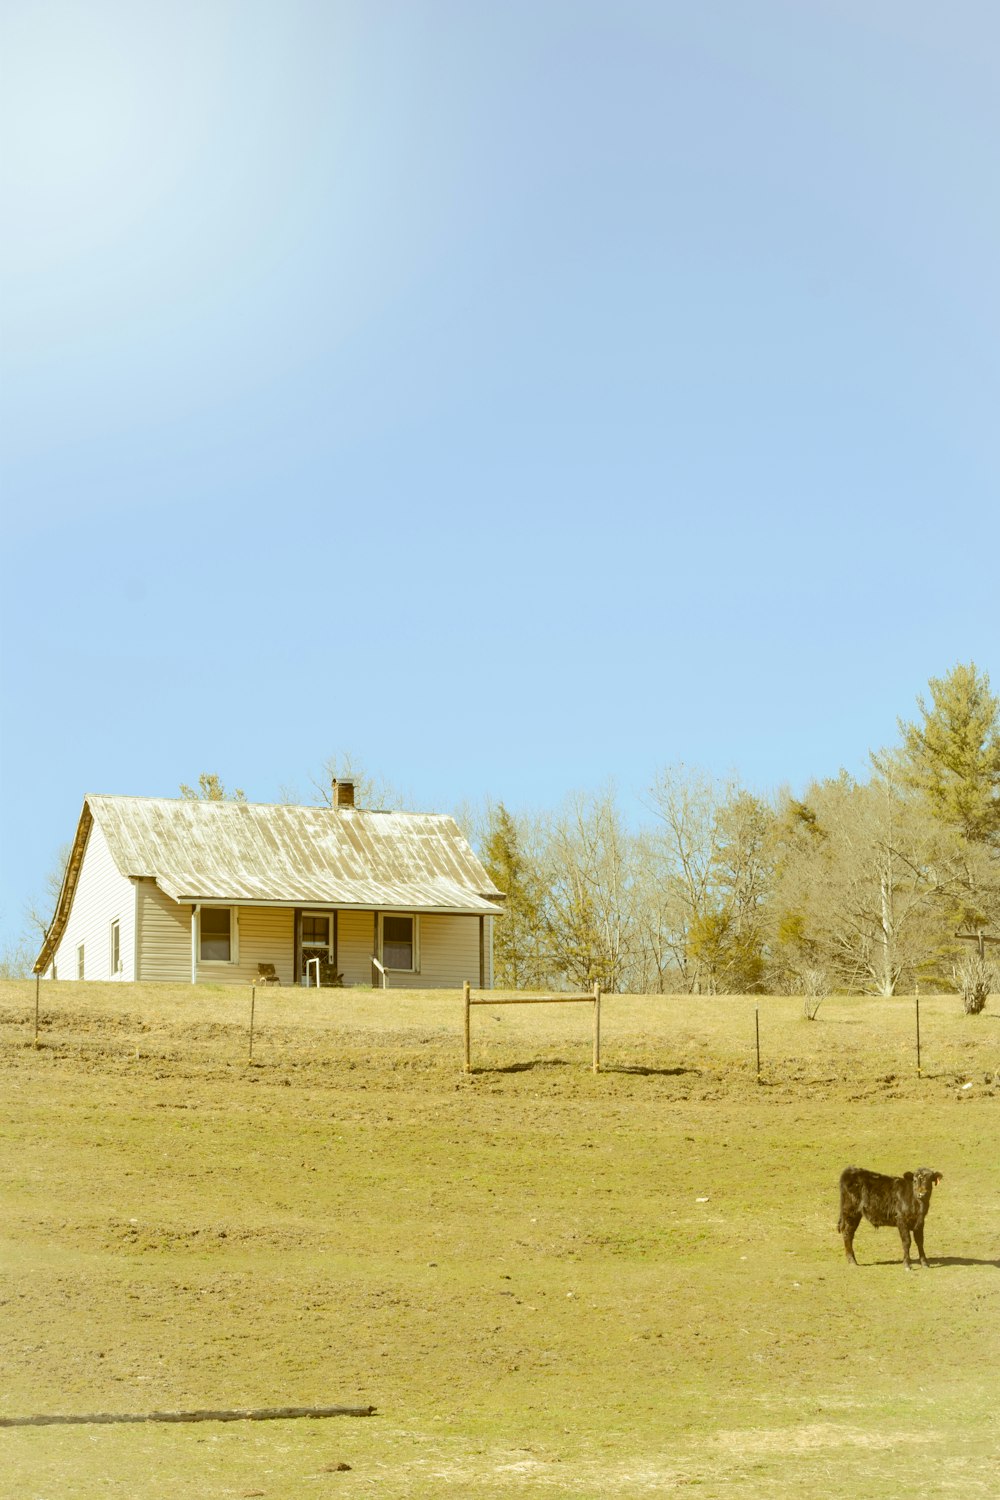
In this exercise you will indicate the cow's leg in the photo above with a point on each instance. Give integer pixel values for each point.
(848, 1225)
(904, 1235)
(918, 1235)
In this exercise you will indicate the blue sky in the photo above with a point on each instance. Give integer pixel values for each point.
(512, 395)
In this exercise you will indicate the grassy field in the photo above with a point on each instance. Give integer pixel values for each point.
(547, 1282)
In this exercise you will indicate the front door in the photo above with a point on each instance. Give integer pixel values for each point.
(317, 944)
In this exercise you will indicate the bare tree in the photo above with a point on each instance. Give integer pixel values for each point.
(867, 881)
(39, 909)
(372, 791)
(16, 959)
(715, 855)
(590, 887)
(685, 803)
(656, 955)
(211, 788)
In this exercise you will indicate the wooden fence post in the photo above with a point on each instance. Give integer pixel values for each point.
(253, 1002)
(468, 1055)
(597, 1028)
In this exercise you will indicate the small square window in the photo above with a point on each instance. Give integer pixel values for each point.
(216, 944)
(397, 942)
(315, 932)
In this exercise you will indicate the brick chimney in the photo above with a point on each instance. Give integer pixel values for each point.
(343, 793)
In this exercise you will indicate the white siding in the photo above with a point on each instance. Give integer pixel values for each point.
(449, 954)
(159, 929)
(265, 935)
(164, 936)
(103, 894)
(355, 946)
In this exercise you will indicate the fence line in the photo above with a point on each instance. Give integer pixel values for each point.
(44, 1015)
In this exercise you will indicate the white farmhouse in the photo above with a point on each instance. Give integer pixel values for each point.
(195, 891)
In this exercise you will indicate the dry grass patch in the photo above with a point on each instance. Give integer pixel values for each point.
(544, 1280)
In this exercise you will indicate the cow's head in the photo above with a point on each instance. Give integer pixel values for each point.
(924, 1179)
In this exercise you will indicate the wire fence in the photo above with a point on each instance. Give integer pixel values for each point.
(763, 1039)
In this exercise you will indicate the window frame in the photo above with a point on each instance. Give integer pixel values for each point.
(327, 917)
(412, 917)
(115, 954)
(307, 950)
(234, 930)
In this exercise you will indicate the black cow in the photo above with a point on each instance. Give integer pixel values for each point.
(903, 1201)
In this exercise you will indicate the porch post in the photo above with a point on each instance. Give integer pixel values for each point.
(482, 953)
(194, 944)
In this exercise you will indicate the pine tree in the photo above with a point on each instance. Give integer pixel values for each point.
(952, 757)
(517, 939)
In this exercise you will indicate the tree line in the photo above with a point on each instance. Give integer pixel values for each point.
(873, 884)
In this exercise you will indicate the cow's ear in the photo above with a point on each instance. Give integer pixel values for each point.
(938, 1176)
(907, 1176)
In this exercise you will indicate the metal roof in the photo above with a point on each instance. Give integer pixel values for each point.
(251, 853)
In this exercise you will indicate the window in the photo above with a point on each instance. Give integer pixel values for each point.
(315, 931)
(116, 948)
(216, 943)
(399, 943)
(79, 961)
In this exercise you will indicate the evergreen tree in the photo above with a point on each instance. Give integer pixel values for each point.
(743, 871)
(952, 756)
(517, 935)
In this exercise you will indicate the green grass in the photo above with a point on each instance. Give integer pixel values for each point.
(547, 1282)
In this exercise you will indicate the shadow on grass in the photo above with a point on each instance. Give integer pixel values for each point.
(523, 1067)
(960, 1260)
(647, 1072)
(936, 1261)
(561, 1062)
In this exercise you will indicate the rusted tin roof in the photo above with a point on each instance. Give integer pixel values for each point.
(250, 853)
(255, 852)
